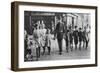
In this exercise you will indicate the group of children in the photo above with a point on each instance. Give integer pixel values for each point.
(77, 36)
(41, 39)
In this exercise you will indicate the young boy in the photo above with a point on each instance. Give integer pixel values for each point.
(66, 39)
(80, 38)
(71, 38)
(75, 34)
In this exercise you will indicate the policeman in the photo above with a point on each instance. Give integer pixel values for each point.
(59, 32)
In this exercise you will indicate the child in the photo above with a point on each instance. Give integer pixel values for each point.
(66, 39)
(75, 34)
(80, 38)
(48, 41)
(36, 36)
(71, 38)
(29, 55)
(25, 44)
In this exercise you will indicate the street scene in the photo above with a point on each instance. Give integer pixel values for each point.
(56, 36)
(75, 54)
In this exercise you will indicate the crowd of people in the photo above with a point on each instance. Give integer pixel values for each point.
(41, 38)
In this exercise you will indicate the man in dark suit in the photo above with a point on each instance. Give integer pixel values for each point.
(59, 32)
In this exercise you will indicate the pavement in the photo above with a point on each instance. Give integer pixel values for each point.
(75, 54)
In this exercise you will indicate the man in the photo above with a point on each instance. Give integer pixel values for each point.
(59, 31)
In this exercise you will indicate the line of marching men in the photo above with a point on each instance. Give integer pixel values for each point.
(41, 39)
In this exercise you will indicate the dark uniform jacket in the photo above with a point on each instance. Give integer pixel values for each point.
(59, 31)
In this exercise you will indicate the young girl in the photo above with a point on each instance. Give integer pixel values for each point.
(48, 41)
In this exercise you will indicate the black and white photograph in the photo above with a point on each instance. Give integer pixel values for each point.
(52, 36)
(56, 36)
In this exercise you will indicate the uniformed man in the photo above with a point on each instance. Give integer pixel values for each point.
(59, 32)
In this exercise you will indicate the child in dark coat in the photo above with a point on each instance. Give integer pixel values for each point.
(67, 39)
(80, 35)
(75, 34)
